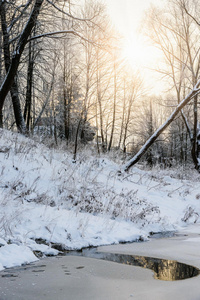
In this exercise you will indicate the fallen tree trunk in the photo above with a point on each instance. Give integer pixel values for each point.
(151, 140)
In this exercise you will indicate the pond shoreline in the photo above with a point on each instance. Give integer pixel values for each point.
(80, 278)
(168, 270)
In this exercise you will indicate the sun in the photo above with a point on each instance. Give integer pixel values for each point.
(144, 58)
(138, 53)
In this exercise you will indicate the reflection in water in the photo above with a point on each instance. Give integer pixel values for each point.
(163, 269)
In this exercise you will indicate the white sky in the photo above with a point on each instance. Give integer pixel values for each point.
(127, 16)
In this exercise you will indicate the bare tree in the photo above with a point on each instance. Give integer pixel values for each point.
(13, 64)
(175, 34)
(152, 139)
(18, 33)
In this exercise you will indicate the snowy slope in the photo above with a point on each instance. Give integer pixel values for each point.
(46, 198)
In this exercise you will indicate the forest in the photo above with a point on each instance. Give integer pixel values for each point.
(99, 149)
(65, 81)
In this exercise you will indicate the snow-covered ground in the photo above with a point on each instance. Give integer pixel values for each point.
(47, 200)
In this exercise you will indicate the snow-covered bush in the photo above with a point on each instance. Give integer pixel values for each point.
(45, 196)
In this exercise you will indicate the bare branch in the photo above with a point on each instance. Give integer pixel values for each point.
(151, 140)
(49, 34)
(9, 78)
(14, 20)
(69, 14)
(187, 12)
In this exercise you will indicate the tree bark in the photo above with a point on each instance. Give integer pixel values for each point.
(1, 73)
(29, 84)
(14, 63)
(14, 87)
(194, 137)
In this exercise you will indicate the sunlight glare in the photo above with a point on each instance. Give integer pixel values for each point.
(138, 54)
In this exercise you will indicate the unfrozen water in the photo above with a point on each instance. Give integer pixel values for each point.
(164, 269)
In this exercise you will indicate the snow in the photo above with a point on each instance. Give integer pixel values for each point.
(14, 255)
(195, 91)
(196, 240)
(46, 199)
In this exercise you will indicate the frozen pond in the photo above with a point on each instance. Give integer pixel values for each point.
(164, 269)
(83, 278)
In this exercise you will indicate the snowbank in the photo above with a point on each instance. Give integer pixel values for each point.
(46, 199)
(14, 255)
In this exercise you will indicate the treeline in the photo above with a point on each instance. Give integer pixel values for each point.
(62, 76)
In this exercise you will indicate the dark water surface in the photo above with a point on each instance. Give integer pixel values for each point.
(164, 269)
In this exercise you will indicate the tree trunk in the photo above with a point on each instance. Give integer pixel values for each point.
(29, 84)
(198, 144)
(54, 120)
(17, 107)
(150, 132)
(1, 73)
(114, 109)
(194, 138)
(123, 117)
(14, 64)
(156, 134)
(14, 87)
(76, 140)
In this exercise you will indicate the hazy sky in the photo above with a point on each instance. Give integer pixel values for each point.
(127, 16)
